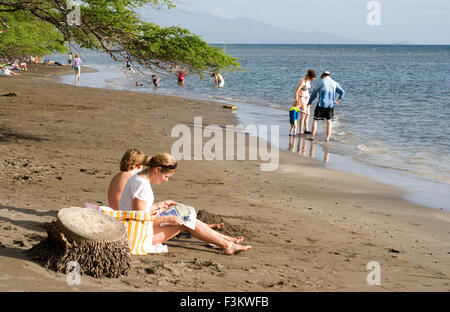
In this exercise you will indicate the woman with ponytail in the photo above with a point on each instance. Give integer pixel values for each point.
(138, 195)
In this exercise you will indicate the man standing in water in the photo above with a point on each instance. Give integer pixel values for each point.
(326, 90)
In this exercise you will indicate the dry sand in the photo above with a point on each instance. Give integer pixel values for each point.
(311, 228)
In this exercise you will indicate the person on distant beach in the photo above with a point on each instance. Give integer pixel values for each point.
(77, 67)
(181, 76)
(155, 80)
(218, 80)
(23, 65)
(138, 195)
(294, 112)
(326, 91)
(56, 63)
(139, 84)
(69, 61)
(6, 71)
(302, 96)
(129, 68)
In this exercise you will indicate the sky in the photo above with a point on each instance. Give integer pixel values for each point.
(411, 21)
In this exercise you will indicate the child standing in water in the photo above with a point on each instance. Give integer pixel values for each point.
(294, 112)
(155, 81)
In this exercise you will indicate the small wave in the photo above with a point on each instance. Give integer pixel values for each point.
(371, 148)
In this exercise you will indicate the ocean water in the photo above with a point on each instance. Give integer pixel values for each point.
(392, 124)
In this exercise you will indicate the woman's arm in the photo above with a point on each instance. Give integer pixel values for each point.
(171, 220)
(300, 85)
(139, 205)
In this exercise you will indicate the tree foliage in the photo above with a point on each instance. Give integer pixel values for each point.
(116, 28)
(27, 35)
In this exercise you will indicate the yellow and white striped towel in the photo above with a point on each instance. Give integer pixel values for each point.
(139, 227)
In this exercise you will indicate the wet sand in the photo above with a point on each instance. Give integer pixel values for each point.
(311, 228)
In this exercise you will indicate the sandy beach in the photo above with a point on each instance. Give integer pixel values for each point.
(311, 228)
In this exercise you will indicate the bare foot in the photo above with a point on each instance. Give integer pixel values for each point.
(235, 248)
(239, 239)
(217, 226)
(235, 240)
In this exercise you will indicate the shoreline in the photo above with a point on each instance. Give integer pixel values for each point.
(311, 228)
(416, 188)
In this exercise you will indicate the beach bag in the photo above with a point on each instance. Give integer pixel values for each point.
(139, 228)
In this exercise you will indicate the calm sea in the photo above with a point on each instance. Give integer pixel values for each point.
(395, 114)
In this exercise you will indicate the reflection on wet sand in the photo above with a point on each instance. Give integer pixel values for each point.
(302, 147)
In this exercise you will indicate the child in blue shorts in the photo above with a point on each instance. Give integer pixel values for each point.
(294, 113)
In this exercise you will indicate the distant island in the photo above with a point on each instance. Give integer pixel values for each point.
(214, 29)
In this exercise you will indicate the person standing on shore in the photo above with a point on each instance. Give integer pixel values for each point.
(69, 61)
(77, 67)
(326, 91)
(302, 97)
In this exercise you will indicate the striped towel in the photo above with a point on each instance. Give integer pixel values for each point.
(139, 227)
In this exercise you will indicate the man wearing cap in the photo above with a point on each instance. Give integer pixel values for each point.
(326, 91)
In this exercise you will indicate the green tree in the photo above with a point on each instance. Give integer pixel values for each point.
(27, 35)
(114, 27)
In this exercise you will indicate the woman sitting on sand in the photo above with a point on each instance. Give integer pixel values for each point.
(138, 195)
(132, 162)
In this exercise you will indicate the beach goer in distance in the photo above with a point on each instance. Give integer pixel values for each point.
(77, 67)
(326, 91)
(302, 97)
(23, 65)
(155, 80)
(138, 195)
(181, 76)
(139, 84)
(294, 112)
(218, 80)
(69, 61)
(129, 68)
(6, 71)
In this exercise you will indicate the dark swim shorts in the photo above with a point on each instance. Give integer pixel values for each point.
(321, 113)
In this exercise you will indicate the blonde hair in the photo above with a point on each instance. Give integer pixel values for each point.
(165, 161)
(295, 103)
(77, 55)
(133, 158)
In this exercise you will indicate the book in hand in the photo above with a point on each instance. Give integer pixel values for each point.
(186, 213)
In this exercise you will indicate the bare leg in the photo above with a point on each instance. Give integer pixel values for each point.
(302, 122)
(162, 234)
(308, 111)
(77, 78)
(202, 232)
(206, 234)
(314, 129)
(328, 129)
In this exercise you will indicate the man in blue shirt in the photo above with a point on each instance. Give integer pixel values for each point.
(326, 91)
